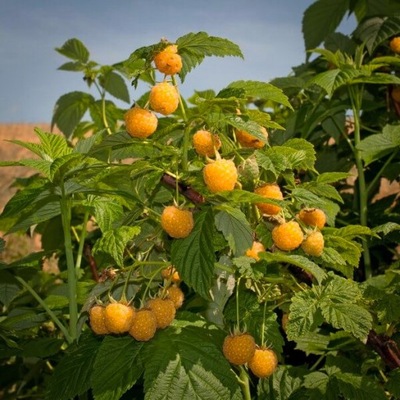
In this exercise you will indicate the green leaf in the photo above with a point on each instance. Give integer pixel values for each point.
(386, 228)
(9, 288)
(194, 47)
(358, 387)
(113, 242)
(236, 229)
(194, 256)
(71, 376)
(374, 147)
(332, 177)
(187, 363)
(114, 84)
(107, 212)
(72, 66)
(251, 127)
(53, 145)
(262, 90)
(298, 261)
(321, 19)
(117, 367)
(69, 110)
(74, 49)
(393, 384)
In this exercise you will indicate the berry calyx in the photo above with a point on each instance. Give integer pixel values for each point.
(247, 140)
(171, 274)
(313, 216)
(220, 175)
(175, 294)
(269, 191)
(164, 310)
(118, 317)
(144, 325)
(206, 143)
(313, 244)
(256, 248)
(238, 349)
(168, 61)
(97, 320)
(176, 222)
(164, 98)
(394, 44)
(140, 123)
(287, 236)
(263, 363)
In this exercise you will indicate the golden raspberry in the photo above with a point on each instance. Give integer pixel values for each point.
(168, 61)
(140, 123)
(176, 222)
(175, 294)
(287, 236)
(220, 175)
(238, 349)
(118, 317)
(205, 143)
(164, 98)
(395, 94)
(394, 45)
(164, 310)
(263, 363)
(256, 248)
(248, 140)
(313, 244)
(269, 191)
(313, 217)
(97, 320)
(170, 273)
(144, 325)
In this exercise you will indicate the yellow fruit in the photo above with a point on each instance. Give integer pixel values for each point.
(171, 274)
(263, 363)
(175, 294)
(205, 143)
(287, 236)
(313, 244)
(118, 317)
(239, 349)
(269, 191)
(97, 320)
(140, 123)
(176, 222)
(164, 310)
(168, 61)
(220, 175)
(144, 325)
(256, 248)
(313, 217)
(395, 45)
(164, 98)
(248, 140)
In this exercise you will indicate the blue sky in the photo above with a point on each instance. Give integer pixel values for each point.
(267, 31)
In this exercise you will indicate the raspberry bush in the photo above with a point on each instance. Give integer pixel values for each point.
(212, 266)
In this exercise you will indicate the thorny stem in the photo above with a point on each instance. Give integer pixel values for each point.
(82, 241)
(65, 204)
(103, 108)
(263, 323)
(237, 304)
(355, 94)
(51, 314)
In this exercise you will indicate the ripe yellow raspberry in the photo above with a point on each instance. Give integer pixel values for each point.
(287, 236)
(256, 248)
(205, 143)
(140, 123)
(394, 44)
(269, 191)
(220, 175)
(97, 320)
(248, 140)
(176, 222)
(170, 273)
(313, 244)
(263, 363)
(168, 61)
(118, 317)
(238, 349)
(395, 94)
(175, 294)
(144, 325)
(313, 217)
(164, 311)
(164, 98)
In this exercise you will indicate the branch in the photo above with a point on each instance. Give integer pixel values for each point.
(386, 347)
(184, 189)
